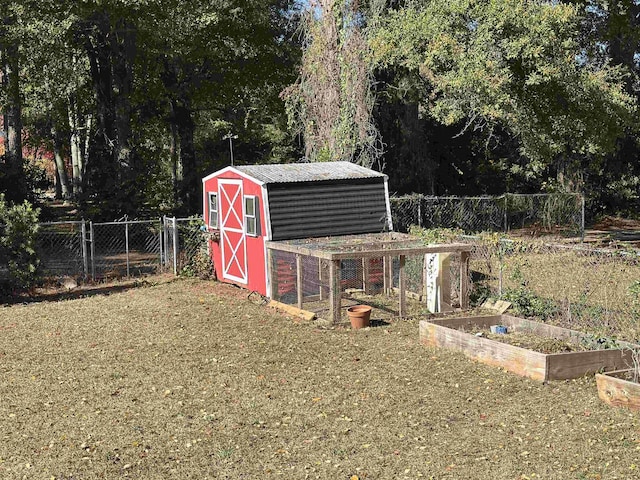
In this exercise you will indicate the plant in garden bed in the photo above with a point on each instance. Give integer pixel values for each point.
(437, 235)
(543, 344)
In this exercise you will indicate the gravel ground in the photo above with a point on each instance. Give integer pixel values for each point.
(191, 380)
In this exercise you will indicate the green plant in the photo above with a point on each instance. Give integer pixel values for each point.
(194, 240)
(436, 235)
(597, 342)
(479, 293)
(199, 265)
(18, 230)
(527, 303)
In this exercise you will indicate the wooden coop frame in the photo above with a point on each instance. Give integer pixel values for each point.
(386, 245)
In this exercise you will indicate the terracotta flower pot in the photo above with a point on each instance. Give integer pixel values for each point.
(359, 316)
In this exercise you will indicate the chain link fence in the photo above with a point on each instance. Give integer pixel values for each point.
(553, 212)
(589, 289)
(124, 248)
(62, 248)
(184, 243)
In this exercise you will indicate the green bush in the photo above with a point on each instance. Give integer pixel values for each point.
(18, 257)
(526, 303)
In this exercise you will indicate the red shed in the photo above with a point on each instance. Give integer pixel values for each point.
(246, 205)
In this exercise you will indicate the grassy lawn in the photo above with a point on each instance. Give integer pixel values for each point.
(191, 380)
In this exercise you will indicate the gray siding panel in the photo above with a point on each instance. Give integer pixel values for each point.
(318, 209)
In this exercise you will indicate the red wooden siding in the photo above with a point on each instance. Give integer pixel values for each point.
(239, 261)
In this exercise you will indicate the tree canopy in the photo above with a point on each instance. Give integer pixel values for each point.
(133, 99)
(512, 65)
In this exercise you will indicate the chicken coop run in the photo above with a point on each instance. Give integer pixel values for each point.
(315, 273)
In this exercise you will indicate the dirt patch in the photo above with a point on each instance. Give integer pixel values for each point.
(536, 343)
(192, 379)
(608, 223)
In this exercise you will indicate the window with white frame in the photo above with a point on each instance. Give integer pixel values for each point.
(213, 210)
(251, 215)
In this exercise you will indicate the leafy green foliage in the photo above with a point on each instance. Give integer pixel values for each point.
(436, 235)
(199, 264)
(526, 303)
(18, 229)
(509, 64)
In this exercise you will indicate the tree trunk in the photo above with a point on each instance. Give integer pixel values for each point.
(623, 24)
(60, 167)
(74, 143)
(174, 150)
(123, 51)
(105, 178)
(84, 153)
(13, 123)
(190, 184)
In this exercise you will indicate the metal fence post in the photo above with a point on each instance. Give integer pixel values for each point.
(165, 236)
(160, 245)
(93, 252)
(85, 253)
(126, 244)
(175, 246)
(582, 219)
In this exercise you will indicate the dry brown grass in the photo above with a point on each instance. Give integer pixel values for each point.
(591, 290)
(191, 380)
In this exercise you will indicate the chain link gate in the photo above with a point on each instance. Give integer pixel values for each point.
(63, 248)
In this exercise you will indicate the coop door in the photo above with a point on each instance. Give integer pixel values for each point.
(232, 237)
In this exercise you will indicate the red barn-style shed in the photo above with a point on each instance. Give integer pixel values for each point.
(244, 206)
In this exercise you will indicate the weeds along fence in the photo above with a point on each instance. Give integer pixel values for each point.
(590, 289)
(557, 212)
(124, 248)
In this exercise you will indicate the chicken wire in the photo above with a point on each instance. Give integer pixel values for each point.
(361, 279)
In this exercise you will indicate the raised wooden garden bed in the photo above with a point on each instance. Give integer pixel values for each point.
(619, 389)
(454, 333)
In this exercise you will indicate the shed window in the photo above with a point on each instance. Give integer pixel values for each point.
(251, 215)
(213, 210)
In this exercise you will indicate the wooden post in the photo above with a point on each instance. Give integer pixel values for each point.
(402, 287)
(425, 263)
(366, 276)
(335, 295)
(273, 274)
(299, 279)
(387, 271)
(445, 282)
(321, 279)
(464, 280)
